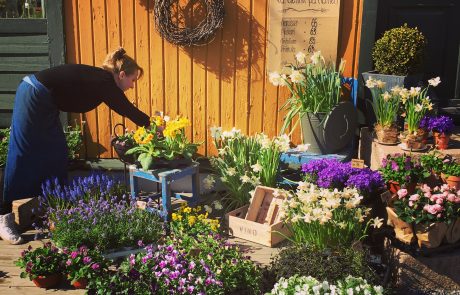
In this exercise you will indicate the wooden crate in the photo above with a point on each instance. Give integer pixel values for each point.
(23, 215)
(259, 222)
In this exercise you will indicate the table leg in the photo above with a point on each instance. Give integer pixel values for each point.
(166, 199)
(134, 185)
(195, 188)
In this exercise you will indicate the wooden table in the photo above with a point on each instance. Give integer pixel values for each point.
(372, 152)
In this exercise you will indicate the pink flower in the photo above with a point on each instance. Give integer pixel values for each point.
(74, 254)
(402, 193)
(433, 209)
(426, 189)
(95, 266)
(451, 197)
(411, 203)
(440, 201)
(444, 187)
(457, 200)
(414, 197)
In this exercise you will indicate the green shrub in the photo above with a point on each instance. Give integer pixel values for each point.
(74, 140)
(324, 265)
(4, 140)
(399, 52)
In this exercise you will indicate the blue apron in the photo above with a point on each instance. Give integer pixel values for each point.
(37, 149)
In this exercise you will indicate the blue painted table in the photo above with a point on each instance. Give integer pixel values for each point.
(165, 177)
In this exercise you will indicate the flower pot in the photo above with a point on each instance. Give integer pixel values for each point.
(312, 126)
(394, 187)
(430, 236)
(453, 232)
(403, 230)
(441, 140)
(80, 283)
(387, 134)
(413, 141)
(452, 181)
(121, 148)
(47, 281)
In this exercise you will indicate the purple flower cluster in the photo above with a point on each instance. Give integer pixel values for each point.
(82, 188)
(173, 272)
(331, 173)
(441, 124)
(84, 263)
(424, 123)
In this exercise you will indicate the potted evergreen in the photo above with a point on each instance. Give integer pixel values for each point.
(397, 57)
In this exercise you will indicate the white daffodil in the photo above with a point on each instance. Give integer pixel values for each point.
(231, 171)
(274, 78)
(217, 205)
(296, 76)
(316, 57)
(300, 57)
(377, 222)
(256, 167)
(414, 91)
(245, 178)
(418, 107)
(386, 96)
(208, 182)
(370, 83)
(216, 132)
(380, 84)
(207, 208)
(435, 81)
(303, 147)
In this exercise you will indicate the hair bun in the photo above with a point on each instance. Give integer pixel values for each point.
(119, 53)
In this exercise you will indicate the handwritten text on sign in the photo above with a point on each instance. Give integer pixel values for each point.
(301, 25)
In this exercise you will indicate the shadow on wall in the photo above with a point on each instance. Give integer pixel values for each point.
(239, 44)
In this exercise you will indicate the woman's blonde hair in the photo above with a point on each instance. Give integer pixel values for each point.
(118, 61)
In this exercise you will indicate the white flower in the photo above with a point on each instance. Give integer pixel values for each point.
(418, 107)
(296, 76)
(303, 147)
(316, 57)
(370, 83)
(386, 96)
(216, 132)
(208, 209)
(274, 78)
(256, 167)
(231, 171)
(300, 57)
(434, 82)
(208, 182)
(414, 91)
(245, 178)
(283, 80)
(380, 84)
(377, 222)
(166, 118)
(217, 205)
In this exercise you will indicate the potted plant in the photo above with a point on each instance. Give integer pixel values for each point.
(429, 212)
(82, 265)
(432, 163)
(4, 141)
(416, 103)
(442, 128)
(385, 105)
(397, 56)
(315, 90)
(44, 265)
(122, 143)
(164, 144)
(401, 170)
(451, 173)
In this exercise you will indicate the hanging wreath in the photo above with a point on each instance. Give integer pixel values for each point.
(186, 36)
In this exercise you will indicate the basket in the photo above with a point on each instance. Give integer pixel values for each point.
(121, 147)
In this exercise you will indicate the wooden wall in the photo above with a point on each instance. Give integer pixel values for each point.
(223, 83)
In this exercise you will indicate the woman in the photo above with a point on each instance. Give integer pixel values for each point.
(37, 149)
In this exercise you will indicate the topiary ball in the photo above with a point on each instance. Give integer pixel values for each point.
(399, 52)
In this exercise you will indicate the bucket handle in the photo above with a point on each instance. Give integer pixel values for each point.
(115, 129)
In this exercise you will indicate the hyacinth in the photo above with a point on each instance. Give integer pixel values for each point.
(331, 173)
(96, 186)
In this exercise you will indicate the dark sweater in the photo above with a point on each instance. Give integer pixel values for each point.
(81, 88)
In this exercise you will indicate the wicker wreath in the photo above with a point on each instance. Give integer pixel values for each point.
(199, 35)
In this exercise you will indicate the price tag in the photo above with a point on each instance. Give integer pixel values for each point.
(357, 163)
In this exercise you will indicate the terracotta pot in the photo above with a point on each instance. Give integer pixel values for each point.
(47, 281)
(80, 284)
(387, 134)
(452, 181)
(441, 140)
(394, 187)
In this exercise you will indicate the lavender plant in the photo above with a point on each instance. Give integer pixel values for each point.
(104, 223)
